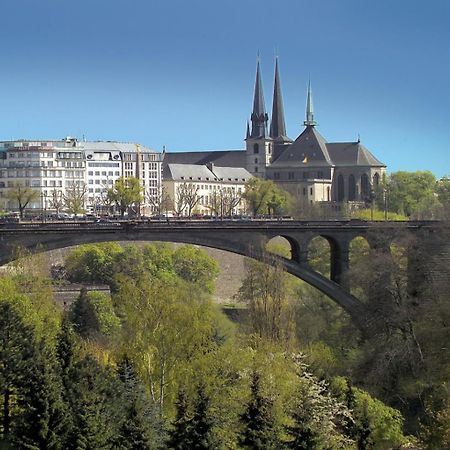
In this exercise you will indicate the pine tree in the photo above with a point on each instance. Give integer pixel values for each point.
(42, 423)
(17, 351)
(201, 434)
(260, 430)
(179, 437)
(140, 429)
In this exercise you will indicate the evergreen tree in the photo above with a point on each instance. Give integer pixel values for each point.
(42, 423)
(260, 430)
(201, 434)
(141, 429)
(17, 352)
(179, 436)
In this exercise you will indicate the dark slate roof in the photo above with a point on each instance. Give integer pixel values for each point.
(309, 149)
(196, 172)
(352, 154)
(221, 158)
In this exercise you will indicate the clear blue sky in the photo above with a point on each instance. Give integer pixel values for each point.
(181, 73)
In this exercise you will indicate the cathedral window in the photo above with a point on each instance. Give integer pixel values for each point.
(255, 148)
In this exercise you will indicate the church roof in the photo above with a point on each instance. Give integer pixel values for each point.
(310, 148)
(352, 154)
(221, 158)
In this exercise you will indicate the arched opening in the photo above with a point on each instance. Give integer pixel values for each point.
(340, 188)
(283, 246)
(359, 249)
(376, 180)
(319, 255)
(255, 148)
(351, 188)
(365, 187)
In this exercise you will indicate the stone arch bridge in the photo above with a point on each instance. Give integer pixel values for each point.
(246, 238)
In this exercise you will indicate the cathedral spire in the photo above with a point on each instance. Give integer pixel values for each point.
(259, 116)
(309, 108)
(277, 125)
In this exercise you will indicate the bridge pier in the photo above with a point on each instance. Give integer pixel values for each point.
(340, 263)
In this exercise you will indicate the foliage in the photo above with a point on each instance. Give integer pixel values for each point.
(376, 214)
(265, 197)
(194, 265)
(92, 315)
(22, 196)
(75, 198)
(125, 193)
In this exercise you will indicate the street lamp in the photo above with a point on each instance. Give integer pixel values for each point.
(372, 198)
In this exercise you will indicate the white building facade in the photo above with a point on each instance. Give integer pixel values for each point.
(54, 169)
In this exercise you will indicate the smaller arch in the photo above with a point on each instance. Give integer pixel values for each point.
(284, 246)
(319, 255)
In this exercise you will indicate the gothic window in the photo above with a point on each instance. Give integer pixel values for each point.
(340, 188)
(376, 180)
(351, 188)
(365, 188)
(255, 148)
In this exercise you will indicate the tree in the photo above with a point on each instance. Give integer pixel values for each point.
(22, 196)
(42, 423)
(187, 198)
(265, 197)
(259, 426)
(160, 201)
(179, 435)
(195, 266)
(411, 193)
(201, 428)
(56, 200)
(75, 198)
(17, 353)
(223, 201)
(126, 193)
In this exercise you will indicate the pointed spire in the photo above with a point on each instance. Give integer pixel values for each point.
(247, 135)
(309, 108)
(277, 125)
(259, 116)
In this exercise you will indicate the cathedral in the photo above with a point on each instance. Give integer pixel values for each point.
(310, 168)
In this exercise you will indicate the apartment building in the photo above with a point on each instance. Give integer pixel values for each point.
(56, 169)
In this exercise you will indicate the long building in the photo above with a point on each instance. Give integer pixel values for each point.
(57, 169)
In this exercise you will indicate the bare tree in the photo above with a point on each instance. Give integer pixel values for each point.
(160, 202)
(187, 198)
(23, 196)
(56, 201)
(75, 198)
(223, 201)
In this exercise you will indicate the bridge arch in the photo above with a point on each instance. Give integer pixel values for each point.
(242, 242)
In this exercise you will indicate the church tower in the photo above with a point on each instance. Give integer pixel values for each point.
(277, 124)
(258, 142)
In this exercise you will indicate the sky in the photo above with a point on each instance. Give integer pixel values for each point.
(180, 74)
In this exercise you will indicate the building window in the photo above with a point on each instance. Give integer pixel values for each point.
(290, 175)
(311, 191)
(255, 148)
(256, 169)
(256, 160)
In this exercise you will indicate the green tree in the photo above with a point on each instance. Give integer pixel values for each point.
(265, 197)
(42, 423)
(126, 193)
(17, 353)
(195, 266)
(411, 193)
(179, 437)
(201, 433)
(22, 196)
(93, 316)
(258, 420)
